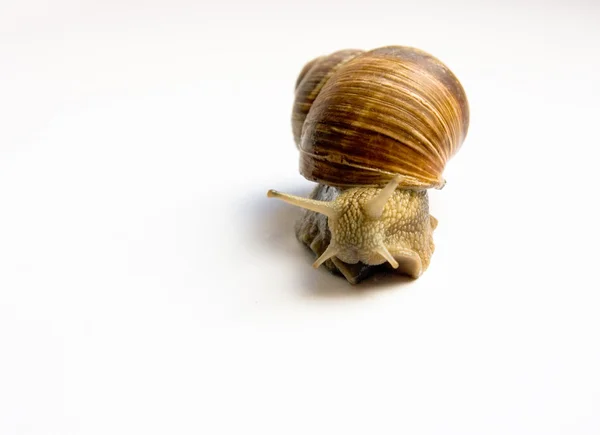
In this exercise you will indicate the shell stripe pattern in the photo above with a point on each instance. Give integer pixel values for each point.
(362, 117)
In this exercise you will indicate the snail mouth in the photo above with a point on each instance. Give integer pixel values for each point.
(409, 263)
(403, 261)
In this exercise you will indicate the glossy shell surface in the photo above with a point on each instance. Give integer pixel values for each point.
(359, 118)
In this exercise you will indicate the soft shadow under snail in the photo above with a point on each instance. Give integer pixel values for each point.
(375, 130)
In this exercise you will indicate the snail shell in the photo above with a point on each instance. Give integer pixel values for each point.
(359, 118)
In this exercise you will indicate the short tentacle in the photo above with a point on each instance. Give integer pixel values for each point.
(331, 251)
(383, 251)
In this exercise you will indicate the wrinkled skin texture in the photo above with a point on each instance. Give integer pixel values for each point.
(405, 227)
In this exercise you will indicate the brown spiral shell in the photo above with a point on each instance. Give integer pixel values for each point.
(359, 117)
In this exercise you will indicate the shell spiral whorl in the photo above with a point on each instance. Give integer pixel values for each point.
(311, 80)
(359, 118)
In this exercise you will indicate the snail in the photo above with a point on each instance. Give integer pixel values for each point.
(375, 130)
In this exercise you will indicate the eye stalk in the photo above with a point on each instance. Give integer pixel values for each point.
(323, 207)
(374, 208)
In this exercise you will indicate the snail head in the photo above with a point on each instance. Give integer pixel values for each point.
(369, 225)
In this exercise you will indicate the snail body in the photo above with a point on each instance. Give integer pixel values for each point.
(375, 130)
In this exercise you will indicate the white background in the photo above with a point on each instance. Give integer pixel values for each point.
(147, 285)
